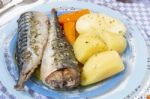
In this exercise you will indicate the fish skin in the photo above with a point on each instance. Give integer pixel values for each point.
(59, 59)
(31, 41)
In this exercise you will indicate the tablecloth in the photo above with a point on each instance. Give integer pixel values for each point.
(140, 15)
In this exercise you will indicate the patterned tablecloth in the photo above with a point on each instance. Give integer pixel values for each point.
(141, 16)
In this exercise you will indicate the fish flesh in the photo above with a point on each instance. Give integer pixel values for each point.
(59, 69)
(32, 37)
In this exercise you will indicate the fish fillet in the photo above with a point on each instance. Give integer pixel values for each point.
(31, 41)
(59, 69)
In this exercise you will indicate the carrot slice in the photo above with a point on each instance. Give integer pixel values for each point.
(70, 32)
(73, 16)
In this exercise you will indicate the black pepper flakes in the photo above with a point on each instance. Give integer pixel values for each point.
(110, 22)
(120, 32)
(35, 48)
(27, 55)
(86, 42)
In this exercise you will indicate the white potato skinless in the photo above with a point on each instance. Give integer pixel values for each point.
(89, 23)
(117, 27)
(114, 41)
(113, 25)
(98, 23)
(101, 66)
(86, 45)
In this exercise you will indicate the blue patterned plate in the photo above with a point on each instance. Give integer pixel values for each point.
(117, 87)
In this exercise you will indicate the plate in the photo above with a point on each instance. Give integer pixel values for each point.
(117, 87)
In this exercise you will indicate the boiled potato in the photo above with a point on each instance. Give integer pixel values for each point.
(89, 23)
(114, 41)
(101, 66)
(98, 23)
(86, 45)
(116, 27)
(113, 25)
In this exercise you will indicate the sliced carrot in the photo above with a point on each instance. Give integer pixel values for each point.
(70, 32)
(73, 16)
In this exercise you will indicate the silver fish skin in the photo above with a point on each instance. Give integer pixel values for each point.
(59, 69)
(31, 41)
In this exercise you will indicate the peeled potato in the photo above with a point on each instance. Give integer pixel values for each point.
(89, 23)
(101, 66)
(113, 25)
(116, 27)
(114, 42)
(86, 45)
(98, 23)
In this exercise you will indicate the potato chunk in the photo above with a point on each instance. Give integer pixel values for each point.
(114, 41)
(87, 45)
(101, 66)
(99, 23)
(112, 25)
(89, 23)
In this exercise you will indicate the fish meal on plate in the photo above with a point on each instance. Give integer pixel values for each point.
(77, 48)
